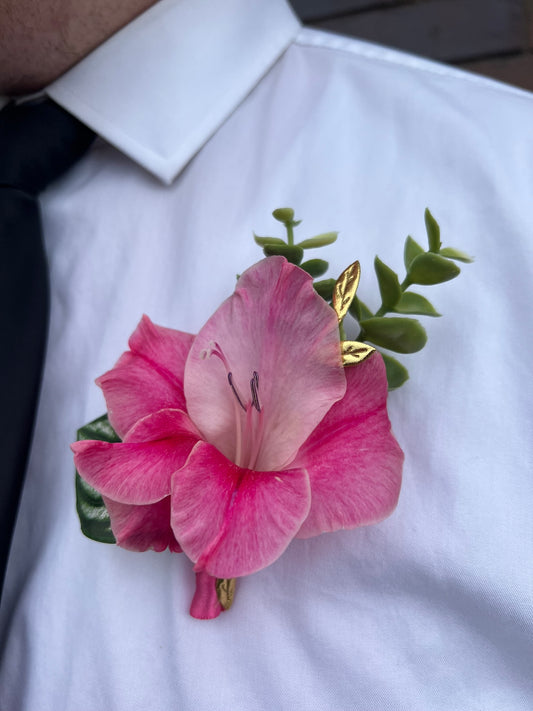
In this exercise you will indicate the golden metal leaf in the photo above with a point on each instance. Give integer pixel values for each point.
(225, 591)
(345, 289)
(354, 352)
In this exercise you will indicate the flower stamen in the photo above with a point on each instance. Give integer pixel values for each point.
(234, 389)
(248, 431)
(254, 386)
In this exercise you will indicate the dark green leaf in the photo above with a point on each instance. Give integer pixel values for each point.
(415, 304)
(411, 250)
(433, 230)
(263, 241)
(365, 311)
(98, 429)
(430, 268)
(396, 373)
(359, 310)
(318, 241)
(389, 285)
(402, 335)
(453, 253)
(315, 267)
(294, 255)
(325, 288)
(94, 519)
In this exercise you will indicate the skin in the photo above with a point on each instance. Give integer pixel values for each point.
(41, 39)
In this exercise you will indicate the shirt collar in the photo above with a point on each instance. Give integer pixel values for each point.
(161, 86)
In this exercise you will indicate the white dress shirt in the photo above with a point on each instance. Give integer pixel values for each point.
(211, 114)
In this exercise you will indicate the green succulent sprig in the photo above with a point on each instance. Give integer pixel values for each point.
(400, 332)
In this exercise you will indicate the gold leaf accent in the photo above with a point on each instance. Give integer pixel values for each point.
(225, 591)
(345, 289)
(354, 352)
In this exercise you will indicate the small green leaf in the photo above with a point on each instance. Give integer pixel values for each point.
(402, 335)
(433, 230)
(411, 250)
(389, 285)
(93, 515)
(325, 288)
(411, 303)
(430, 268)
(283, 214)
(397, 373)
(365, 311)
(315, 267)
(318, 241)
(355, 308)
(264, 241)
(359, 310)
(294, 255)
(453, 253)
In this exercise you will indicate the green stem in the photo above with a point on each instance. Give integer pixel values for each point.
(342, 332)
(406, 283)
(290, 234)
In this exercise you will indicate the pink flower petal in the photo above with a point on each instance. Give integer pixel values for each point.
(232, 521)
(354, 462)
(138, 470)
(277, 326)
(205, 604)
(148, 377)
(142, 528)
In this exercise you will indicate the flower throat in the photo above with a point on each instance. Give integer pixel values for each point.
(248, 415)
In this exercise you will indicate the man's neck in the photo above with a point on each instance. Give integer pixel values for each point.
(40, 41)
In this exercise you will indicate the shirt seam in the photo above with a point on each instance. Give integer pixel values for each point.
(331, 41)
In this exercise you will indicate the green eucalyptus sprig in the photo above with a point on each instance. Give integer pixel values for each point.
(399, 333)
(294, 253)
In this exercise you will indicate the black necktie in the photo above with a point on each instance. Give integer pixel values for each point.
(39, 142)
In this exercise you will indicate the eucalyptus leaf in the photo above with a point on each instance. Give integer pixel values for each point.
(325, 288)
(430, 268)
(93, 515)
(355, 308)
(433, 230)
(402, 335)
(294, 254)
(318, 241)
(283, 214)
(264, 241)
(411, 303)
(411, 250)
(453, 253)
(315, 267)
(397, 373)
(389, 284)
(360, 310)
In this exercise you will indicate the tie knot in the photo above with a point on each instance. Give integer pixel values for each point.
(39, 141)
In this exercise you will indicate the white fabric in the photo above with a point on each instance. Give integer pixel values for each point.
(429, 610)
(213, 52)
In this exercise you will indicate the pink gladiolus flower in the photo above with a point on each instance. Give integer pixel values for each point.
(248, 435)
